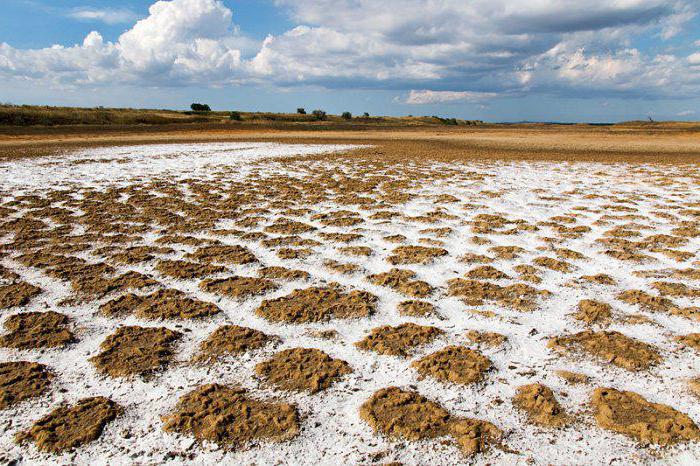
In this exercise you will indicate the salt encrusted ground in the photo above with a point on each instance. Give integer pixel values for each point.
(539, 207)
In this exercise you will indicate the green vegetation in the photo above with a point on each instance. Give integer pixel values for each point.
(346, 116)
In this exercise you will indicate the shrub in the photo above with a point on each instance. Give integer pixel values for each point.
(347, 115)
(200, 108)
(236, 116)
(301, 111)
(319, 114)
(365, 114)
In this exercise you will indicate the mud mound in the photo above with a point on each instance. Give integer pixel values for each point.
(400, 340)
(402, 281)
(416, 309)
(362, 251)
(239, 287)
(630, 414)
(230, 418)
(294, 253)
(33, 330)
(593, 312)
(66, 427)
(17, 294)
(540, 405)
(288, 227)
(318, 304)
(491, 339)
(302, 369)
(553, 264)
(187, 270)
(22, 380)
(455, 364)
(341, 267)
(283, 273)
(646, 301)
(231, 339)
(613, 347)
(7, 274)
(573, 378)
(401, 414)
(600, 279)
(340, 237)
(474, 293)
(223, 254)
(135, 351)
(173, 304)
(694, 386)
(415, 255)
(691, 340)
(486, 272)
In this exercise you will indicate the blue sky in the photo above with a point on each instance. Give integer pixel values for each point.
(496, 60)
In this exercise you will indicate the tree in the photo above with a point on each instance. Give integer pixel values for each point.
(236, 116)
(301, 111)
(366, 114)
(319, 114)
(200, 108)
(347, 115)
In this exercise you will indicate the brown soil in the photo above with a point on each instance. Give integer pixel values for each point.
(660, 304)
(630, 414)
(231, 418)
(694, 386)
(403, 281)
(135, 351)
(288, 227)
(222, 254)
(302, 369)
(691, 340)
(361, 251)
(401, 414)
(611, 346)
(573, 378)
(593, 312)
(473, 292)
(486, 272)
(455, 364)
(400, 340)
(341, 267)
(491, 339)
(231, 340)
(32, 330)
(22, 380)
(415, 255)
(318, 304)
(162, 304)
(17, 294)
(283, 273)
(416, 309)
(68, 427)
(239, 287)
(294, 253)
(540, 405)
(601, 279)
(553, 264)
(187, 270)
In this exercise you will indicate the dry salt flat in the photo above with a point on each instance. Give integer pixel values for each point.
(502, 254)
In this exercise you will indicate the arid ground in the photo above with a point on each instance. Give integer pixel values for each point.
(508, 294)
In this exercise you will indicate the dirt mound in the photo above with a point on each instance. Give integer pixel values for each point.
(416, 309)
(540, 405)
(401, 414)
(400, 340)
(691, 340)
(135, 351)
(230, 418)
(66, 428)
(22, 380)
(340, 237)
(486, 272)
(630, 414)
(646, 301)
(362, 251)
(415, 255)
(491, 339)
(553, 264)
(7, 274)
(593, 312)
(239, 287)
(302, 369)
(613, 347)
(294, 253)
(187, 270)
(32, 330)
(288, 227)
(17, 294)
(455, 364)
(231, 339)
(600, 279)
(317, 304)
(573, 378)
(474, 293)
(402, 281)
(283, 273)
(223, 254)
(341, 267)
(162, 304)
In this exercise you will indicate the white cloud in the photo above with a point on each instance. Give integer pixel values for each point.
(106, 15)
(422, 97)
(686, 113)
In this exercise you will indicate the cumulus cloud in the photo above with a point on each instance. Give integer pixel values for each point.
(105, 15)
(446, 51)
(422, 97)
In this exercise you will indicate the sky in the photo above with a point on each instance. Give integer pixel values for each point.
(494, 60)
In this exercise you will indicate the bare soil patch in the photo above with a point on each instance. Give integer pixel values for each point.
(318, 304)
(417, 309)
(160, 305)
(593, 312)
(33, 330)
(415, 255)
(540, 405)
(239, 287)
(21, 381)
(17, 294)
(302, 369)
(185, 270)
(455, 364)
(283, 273)
(223, 254)
(403, 281)
(231, 340)
(400, 340)
(491, 339)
